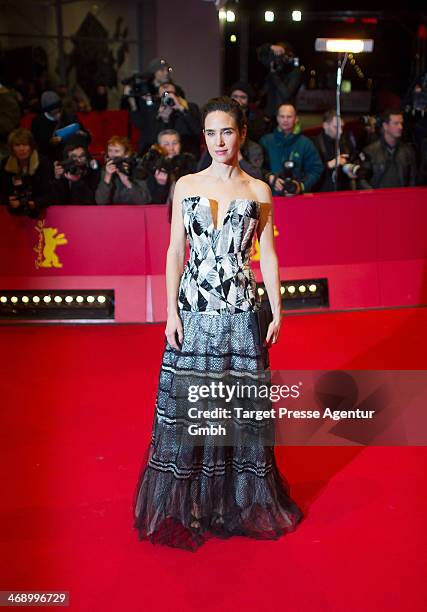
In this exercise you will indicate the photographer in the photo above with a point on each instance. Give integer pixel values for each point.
(53, 118)
(164, 164)
(325, 143)
(169, 110)
(76, 177)
(119, 182)
(181, 162)
(284, 78)
(389, 162)
(25, 176)
(293, 164)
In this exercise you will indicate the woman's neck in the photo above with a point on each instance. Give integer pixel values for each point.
(225, 172)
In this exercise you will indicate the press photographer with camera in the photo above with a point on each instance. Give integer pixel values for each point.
(163, 164)
(293, 165)
(76, 176)
(284, 77)
(348, 162)
(168, 109)
(389, 162)
(120, 182)
(25, 176)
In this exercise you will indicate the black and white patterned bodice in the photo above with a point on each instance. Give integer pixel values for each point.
(218, 277)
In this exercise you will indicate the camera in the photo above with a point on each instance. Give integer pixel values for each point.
(141, 85)
(125, 165)
(71, 167)
(353, 168)
(166, 99)
(291, 186)
(279, 63)
(155, 159)
(24, 194)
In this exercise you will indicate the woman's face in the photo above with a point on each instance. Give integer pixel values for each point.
(222, 136)
(116, 150)
(22, 151)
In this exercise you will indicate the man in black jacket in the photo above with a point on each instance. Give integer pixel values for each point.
(284, 78)
(389, 162)
(325, 143)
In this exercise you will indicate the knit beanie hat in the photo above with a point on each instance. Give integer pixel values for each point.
(49, 101)
(243, 86)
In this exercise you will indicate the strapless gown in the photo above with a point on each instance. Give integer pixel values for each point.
(187, 493)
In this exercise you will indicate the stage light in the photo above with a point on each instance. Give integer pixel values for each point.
(56, 304)
(269, 16)
(230, 16)
(233, 38)
(296, 15)
(344, 45)
(301, 294)
(222, 14)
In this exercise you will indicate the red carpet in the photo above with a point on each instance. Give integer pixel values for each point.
(77, 409)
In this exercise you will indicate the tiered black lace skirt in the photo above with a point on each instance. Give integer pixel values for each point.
(188, 492)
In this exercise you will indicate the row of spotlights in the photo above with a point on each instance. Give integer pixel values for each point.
(58, 299)
(230, 16)
(312, 288)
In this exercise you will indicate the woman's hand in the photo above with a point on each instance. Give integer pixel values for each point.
(174, 328)
(273, 332)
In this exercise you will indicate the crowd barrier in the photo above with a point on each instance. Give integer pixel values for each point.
(370, 245)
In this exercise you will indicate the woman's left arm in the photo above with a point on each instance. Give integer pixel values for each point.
(268, 261)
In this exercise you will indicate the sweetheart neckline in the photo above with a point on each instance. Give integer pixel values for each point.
(218, 230)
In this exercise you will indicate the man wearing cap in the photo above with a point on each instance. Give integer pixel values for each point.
(161, 71)
(51, 119)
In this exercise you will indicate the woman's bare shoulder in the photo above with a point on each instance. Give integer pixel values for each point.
(261, 190)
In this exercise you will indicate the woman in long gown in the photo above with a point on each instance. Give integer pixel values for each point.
(187, 491)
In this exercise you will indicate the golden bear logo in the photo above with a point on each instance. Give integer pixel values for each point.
(49, 239)
(255, 251)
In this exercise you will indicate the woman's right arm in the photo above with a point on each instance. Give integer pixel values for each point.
(174, 265)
